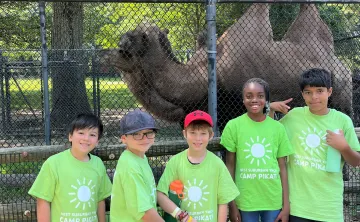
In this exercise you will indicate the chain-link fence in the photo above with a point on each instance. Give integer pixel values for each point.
(108, 58)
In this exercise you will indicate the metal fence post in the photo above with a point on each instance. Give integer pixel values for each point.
(211, 50)
(44, 69)
(2, 91)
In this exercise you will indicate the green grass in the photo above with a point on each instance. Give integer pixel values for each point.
(114, 94)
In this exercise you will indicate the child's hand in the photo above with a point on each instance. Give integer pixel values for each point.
(281, 106)
(183, 216)
(234, 214)
(187, 219)
(336, 140)
(283, 215)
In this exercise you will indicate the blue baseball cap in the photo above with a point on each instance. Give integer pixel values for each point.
(135, 121)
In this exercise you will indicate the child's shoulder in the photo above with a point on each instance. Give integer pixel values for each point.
(97, 160)
(340, 114)
(177, 157)
(215, 160)
(238, 119)
(297, 110)
(58, 156)
(274, 124)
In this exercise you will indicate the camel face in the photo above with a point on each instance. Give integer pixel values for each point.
(170, 89)
(133, 44)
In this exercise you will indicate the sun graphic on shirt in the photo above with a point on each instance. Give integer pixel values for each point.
(313, 140)
(83, 193)
(257, 151)
(195, 193)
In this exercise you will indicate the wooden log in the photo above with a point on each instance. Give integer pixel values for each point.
(351, 187)
(110, 152)
(25, 211)
(17, 180)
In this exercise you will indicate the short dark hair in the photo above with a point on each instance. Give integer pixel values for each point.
(84, 121)
(264, 84)
(315, 77)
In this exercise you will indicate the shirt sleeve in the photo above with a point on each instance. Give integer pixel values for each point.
(105, 184)
(167, 177)
(137, 196)
(228, 137)
(285, 148)
(350, 135)
(227, 190)
(45, 183)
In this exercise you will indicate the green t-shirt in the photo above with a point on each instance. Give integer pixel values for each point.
(314, 193)
(73, 187)
(206, 185)
(258, 145)
(134, 189)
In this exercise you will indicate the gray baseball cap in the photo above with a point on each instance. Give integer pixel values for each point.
(135, 121)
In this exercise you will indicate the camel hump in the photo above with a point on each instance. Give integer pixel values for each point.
(256, 22)
(308, 27)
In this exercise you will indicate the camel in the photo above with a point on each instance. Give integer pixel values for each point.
(169, 89)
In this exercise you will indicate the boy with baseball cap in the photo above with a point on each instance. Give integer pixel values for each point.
(133, 195)
(208, 186)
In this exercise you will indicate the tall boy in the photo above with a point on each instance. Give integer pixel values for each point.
(133, 195)
(315, 194)
(73, 184)
(208, 186)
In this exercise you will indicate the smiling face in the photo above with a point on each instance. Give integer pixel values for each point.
(136, 145)
(316, 98)
(198, 137)
(254, 99)
(83, 141)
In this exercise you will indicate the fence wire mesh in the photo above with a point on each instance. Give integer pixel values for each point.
(110, 58)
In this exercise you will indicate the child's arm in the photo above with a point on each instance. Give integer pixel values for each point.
(284, 214)
(165, 203)
(152, 216)
(234, 213)
(43, 210)
(280, 106)
(101, 211)
(222, 212)
(338, 141)
(168, 206)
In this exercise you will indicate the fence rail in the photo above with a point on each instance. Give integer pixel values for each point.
(14, 211)
(110, 57)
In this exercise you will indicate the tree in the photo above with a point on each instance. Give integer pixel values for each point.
(69, 92)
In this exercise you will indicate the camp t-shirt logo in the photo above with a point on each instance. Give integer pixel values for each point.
(312, 151)
(82, 196)
(81, 202)
(153, 194)
(313, 140)
(196, 198)
(256, 151)
(195, 193)
(257, 159)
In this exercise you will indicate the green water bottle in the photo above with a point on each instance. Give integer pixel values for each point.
(175, 195)
(333, 158)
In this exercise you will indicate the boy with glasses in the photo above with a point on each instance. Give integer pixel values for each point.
(134, 192)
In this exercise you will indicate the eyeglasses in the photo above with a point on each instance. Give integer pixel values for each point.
(140, 136)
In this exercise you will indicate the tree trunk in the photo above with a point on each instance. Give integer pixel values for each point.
(68, 80)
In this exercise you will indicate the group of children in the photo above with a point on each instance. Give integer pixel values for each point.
(274, 171)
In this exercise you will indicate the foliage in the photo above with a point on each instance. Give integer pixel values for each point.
(104, 23)
(19, 25)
